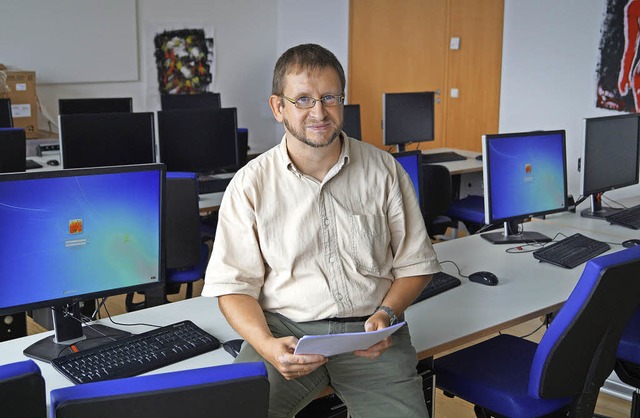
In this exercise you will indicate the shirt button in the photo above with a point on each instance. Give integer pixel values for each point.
(339, 296)
(326, 221)
(332, 259)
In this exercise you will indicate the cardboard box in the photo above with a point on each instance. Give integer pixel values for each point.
(24, 105)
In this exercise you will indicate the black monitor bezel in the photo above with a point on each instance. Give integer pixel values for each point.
(5, 111)
(487, 181)
(95, 105)
(351, 112)
(16, 159)
(205, 100)
(430, 136)
(207, 162)
(585, 164)
(71, 300)
(102, 123)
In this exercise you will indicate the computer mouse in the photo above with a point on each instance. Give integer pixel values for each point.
(233, 346)
(630, 243)
(484, 277)
(53, 162)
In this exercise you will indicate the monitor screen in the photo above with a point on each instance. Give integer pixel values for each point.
(611, 147)
(206, 100)
(411, 161)
(407, 117)
(6, 119)
(106, 139)
(198, 140)
(95, 105)
(351, 121)
(525, 175)
(73, 235)
(13, 150)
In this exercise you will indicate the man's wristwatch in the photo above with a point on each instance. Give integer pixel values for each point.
(392, 316)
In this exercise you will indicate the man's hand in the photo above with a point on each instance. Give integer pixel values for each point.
(378, 320)
(279, 352)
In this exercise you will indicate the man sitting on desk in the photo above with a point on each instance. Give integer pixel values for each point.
(306, 246)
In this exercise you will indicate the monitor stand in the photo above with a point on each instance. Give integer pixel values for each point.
(596, 210)
(510, 235)
(69, 330)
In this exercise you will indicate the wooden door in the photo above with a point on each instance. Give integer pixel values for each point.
(403, 45)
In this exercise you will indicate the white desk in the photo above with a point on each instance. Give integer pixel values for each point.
(527, 289)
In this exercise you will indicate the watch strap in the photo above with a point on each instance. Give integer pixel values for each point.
(393, 319)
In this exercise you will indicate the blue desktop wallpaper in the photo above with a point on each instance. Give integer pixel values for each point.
(526, 175)
(69, 236)
(411, 164)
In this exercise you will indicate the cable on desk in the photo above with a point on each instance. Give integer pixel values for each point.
(457, 268)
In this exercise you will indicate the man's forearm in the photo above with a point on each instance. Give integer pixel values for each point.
(245, 315)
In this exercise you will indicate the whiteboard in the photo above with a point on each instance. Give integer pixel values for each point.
(70, 41)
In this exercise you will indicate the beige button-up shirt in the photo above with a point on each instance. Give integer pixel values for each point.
(313, 250)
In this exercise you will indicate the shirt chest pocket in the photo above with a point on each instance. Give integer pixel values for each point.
(369, 241)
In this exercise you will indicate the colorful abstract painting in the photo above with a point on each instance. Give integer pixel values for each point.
(184, 61)
(618, 71)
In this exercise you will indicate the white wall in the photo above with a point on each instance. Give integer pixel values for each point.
(245, 33)
(549, 58)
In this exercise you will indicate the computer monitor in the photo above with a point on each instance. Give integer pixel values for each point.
(95, 105)
(6, 118)
(198, 140)
(105, 139)
(411, 161)
(351, 121)
(610, 161)
(73, 235)
(407, 117)
(13, 150)
(525, 175)
(205, 100)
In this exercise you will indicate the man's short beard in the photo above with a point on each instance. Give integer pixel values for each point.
(300, 136)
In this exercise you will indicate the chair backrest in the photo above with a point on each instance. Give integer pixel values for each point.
(182, 220)
(22, 393)
(578, 351)
(437, 191)
(233, 390)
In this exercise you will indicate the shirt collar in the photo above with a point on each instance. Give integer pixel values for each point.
(342, 160)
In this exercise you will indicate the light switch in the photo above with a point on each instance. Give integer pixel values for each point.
(455, 93)
(454, 43)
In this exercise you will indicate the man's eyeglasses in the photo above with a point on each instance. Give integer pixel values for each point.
(305, 102)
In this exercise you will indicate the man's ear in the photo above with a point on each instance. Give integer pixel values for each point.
(275, 102)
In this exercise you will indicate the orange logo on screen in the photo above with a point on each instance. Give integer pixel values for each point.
(75, 226)
(527, 168)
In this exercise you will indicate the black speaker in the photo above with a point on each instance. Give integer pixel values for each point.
(13, 326)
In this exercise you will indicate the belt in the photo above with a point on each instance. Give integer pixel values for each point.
(349, 319)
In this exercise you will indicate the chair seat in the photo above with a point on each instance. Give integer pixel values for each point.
(468, 209)
(191, 273)
(495, 375)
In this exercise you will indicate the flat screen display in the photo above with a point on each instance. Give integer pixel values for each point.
(95, 105)
(78, 234)
(407, 117)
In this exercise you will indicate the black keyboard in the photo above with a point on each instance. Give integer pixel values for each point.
(440, 282)
(442, 157)
(32, 164)
(629, 217)
(213, 185)
(571, 251)
(136, 354)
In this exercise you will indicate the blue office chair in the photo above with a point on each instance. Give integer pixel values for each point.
(469, 211)
(22, 392)
(628, 362)
(186, 249)
(513, 377)
(232, 390)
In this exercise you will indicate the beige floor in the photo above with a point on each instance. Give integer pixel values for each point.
(445, 407)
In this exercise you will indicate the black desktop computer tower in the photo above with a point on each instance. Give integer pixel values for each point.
(331, 406)
(13, 326)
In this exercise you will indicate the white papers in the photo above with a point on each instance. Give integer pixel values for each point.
(332, 344)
